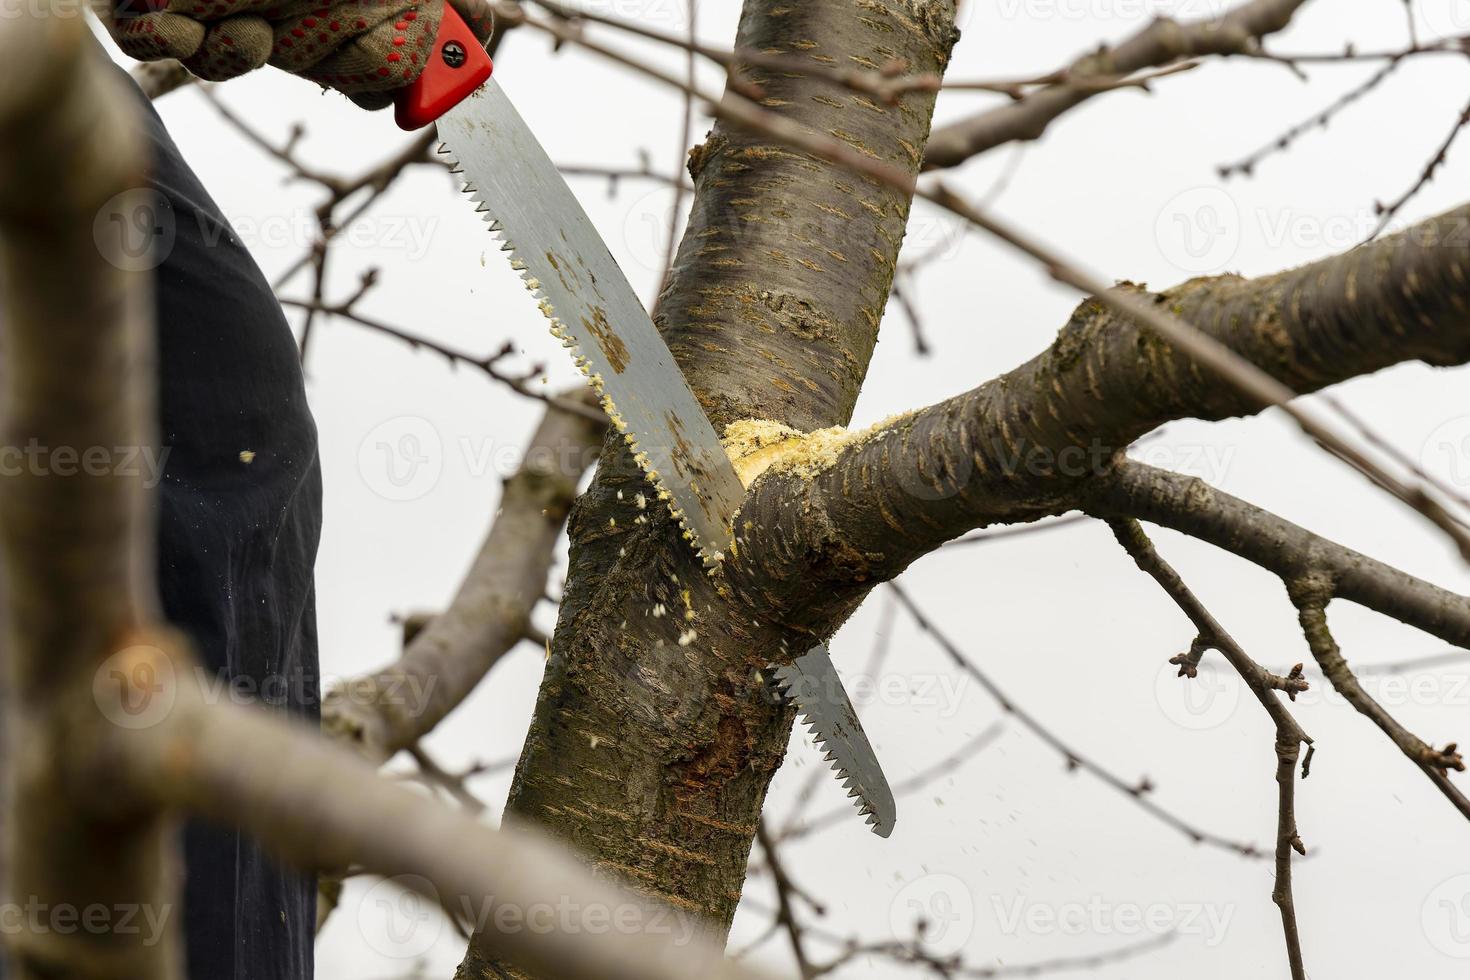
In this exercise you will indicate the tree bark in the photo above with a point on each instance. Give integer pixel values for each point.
(652, 743)
(75, 533)
(1193, 507)
(1039, 439)
(380, 713)
(1164, 41)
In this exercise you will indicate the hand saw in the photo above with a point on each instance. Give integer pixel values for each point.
(594, 312)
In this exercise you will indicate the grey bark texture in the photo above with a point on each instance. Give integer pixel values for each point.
(77, 570)
(652, 744)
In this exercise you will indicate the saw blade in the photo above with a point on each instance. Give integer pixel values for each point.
(594, 311)
(811, 681)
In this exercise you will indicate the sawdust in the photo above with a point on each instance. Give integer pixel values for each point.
(757, 445)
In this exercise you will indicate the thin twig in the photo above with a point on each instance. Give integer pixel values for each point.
(489, 365)
(686, 135)
(946, 766)
(1289, 735)
(454, 785)
(1387, 212)
(1434, 763)
(785, 914)
(1247, 165)
(1137, 792)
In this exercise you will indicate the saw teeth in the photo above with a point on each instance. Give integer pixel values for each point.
(786, 680)
(710, 558)
(864, 805)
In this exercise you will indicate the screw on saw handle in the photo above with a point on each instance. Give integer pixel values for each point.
(457, 66)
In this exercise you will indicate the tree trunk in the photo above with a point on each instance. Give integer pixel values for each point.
(652, 743)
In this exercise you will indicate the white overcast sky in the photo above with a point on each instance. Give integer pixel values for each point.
(1021, 861)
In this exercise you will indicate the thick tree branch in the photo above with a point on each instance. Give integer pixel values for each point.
(445, 658)
(75, 532)
(1193, 507)
(1211, 354)
(326, 809)
(383, 712)
(1164, 41)
(843, 510)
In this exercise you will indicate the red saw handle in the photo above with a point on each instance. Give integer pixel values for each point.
(457, 66)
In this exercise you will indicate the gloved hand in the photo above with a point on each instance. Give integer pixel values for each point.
(367, 49)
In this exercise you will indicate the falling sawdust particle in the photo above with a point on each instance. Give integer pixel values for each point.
(757, 445)
(247, 456)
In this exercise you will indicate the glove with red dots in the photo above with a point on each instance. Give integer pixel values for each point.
(366, 49)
